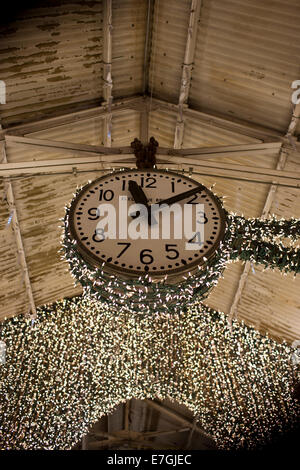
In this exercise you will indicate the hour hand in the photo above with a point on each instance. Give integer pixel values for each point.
(137, 193)
(139, 197)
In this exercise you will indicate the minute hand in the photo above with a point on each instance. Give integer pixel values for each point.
(181, 196)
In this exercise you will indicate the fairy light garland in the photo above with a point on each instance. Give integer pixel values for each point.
(81, 359)
(84, 356)
(143, 294)
(259, 241)
(255, 240)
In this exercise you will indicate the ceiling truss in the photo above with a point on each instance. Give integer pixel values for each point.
(13, 218)
(187, 67)
(282, 158)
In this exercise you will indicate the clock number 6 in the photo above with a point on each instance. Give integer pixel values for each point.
(169, 250)
(146, 258)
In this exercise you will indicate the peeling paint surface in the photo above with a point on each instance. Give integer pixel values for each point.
(45, 58)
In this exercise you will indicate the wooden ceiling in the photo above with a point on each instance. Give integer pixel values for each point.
(192, 73)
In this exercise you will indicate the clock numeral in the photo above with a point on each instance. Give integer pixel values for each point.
(196, 239)
(149, 182)
(169, 250)
(107, 195)
(173, 186)
(94, 213)
(123, 185)
(99, 233)
(191, 201)
(203, 217)
(124, 249)
(146, 258)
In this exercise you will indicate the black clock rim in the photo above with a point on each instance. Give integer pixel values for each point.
(92, 259)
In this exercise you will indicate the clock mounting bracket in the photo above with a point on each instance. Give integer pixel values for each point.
(145, 154)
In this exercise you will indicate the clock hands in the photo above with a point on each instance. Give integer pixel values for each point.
(137, 193)
(179, 197)
(139, 197)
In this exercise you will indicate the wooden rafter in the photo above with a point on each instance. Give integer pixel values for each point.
(101, 162)
(119, 106)
(127, 407)
(18, 237)
(199, 153)
(107, 66)
(187, 65)
(184, 421)
(147, 48)
(65, 147)
(233, 125)
(265, 212)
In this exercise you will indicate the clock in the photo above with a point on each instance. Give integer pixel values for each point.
(154, 222)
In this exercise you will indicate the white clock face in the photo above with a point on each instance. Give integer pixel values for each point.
(168, 242)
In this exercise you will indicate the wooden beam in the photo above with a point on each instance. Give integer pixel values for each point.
(220, 169)
(144, 125)
(187, 66)
(107, 77)
(147, 48)
(126, 415)
(84, 443)
(199, 153)
(239, 150)
(66, 147)
(172, 414)
(19, 242)
(294, 120)
(190, 435)
(107, 162)
(151, 434)
(119, 106)
(136, 444)
(92, 163)
(265, 212)
(234, 125)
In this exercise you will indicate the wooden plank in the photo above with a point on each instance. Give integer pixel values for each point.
(119, 106)
(223, 168)
(19, 242)
(262, 147)
(147, 48)
(237, 126)
(177, 417)
(186, 76)
(266, 210)
(94, 163)
(45, 144)
(107, 72)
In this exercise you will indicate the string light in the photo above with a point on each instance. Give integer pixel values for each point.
(83, 356)
(81, 359)
(254, 240)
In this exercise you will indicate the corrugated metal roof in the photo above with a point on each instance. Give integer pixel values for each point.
(51, 56)
(170, 23)
(40, 202)
(246, 60)
(270, 301)
(129, 31)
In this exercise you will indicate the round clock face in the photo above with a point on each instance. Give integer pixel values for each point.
(146, 221)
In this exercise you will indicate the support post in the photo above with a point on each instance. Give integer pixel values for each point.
(19, 242)
(107, 77)
(187, 70)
